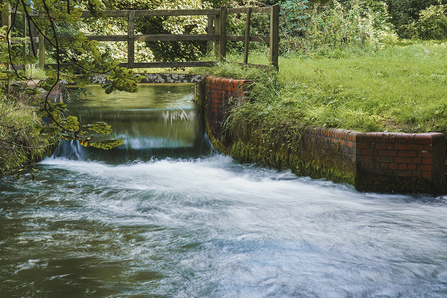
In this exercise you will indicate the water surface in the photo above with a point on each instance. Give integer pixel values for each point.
(187, 224)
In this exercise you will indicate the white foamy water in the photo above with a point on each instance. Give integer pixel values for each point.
(212, 228)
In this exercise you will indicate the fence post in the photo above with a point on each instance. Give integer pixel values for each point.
(6, 18)
(274, 36)
(223, 33)
(210, 30)
(6, 21)
(32, 35)
(220, 49)
(131, 40)
(41, 43)
(217, 31)
(24, 35)
(247, 35)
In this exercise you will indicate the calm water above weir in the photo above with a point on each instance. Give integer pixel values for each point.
(160, 217)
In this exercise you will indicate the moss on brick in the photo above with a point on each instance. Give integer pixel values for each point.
(253, 152)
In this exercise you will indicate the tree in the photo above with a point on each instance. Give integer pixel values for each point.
(56, 16)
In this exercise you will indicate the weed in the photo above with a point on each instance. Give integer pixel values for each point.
(20, 142)
(34, 72)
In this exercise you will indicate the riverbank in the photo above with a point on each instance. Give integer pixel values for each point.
(346, 135)
(401, 88)
(22, 143)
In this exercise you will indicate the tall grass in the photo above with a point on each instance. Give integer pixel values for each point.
(400, 88)
(21, 142)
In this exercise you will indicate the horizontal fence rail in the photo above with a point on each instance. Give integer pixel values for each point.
(155, 13)
(216, 32)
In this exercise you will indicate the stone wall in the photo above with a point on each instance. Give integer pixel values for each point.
(384, 162)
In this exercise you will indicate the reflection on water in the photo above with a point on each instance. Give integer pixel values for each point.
(205, 226)
(158, 121)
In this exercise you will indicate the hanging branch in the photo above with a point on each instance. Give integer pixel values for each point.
(122, 79)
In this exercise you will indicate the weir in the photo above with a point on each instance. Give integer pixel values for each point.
(158, 121)
(373, 161)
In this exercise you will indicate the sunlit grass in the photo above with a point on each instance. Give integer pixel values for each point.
(34, 72)
(399, 88)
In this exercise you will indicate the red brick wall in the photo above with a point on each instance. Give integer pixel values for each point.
(335, 148)
(385, 162)
(55, 94)
(220, 94)
(411, 157)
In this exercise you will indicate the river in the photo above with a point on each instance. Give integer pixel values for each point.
(166, 216)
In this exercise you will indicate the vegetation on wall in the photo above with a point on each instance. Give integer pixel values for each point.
(21, 144)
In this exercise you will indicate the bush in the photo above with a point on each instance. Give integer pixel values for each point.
(312, 27)
(432, 24)
(405, 12)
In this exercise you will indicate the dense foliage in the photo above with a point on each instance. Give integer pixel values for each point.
(432, 24)
(310, 27)
(405, 12)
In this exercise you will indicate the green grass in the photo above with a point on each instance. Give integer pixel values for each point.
(34, 72)
(398, 88)
(401, 88)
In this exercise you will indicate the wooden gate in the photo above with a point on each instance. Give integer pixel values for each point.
(217, 33)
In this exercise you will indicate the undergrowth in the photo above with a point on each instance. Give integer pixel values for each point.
(21, 143)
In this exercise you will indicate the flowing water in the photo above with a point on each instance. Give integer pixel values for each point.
(161, 217)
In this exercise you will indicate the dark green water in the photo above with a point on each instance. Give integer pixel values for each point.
(160, 217)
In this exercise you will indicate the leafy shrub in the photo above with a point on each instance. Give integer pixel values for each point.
(405, 12)
(432, 23)
(294, 18)
(312, 27)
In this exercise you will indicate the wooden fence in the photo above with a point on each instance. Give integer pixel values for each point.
(217, 33)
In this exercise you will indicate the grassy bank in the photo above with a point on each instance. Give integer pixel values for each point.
(401, 88)
(21, 143)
